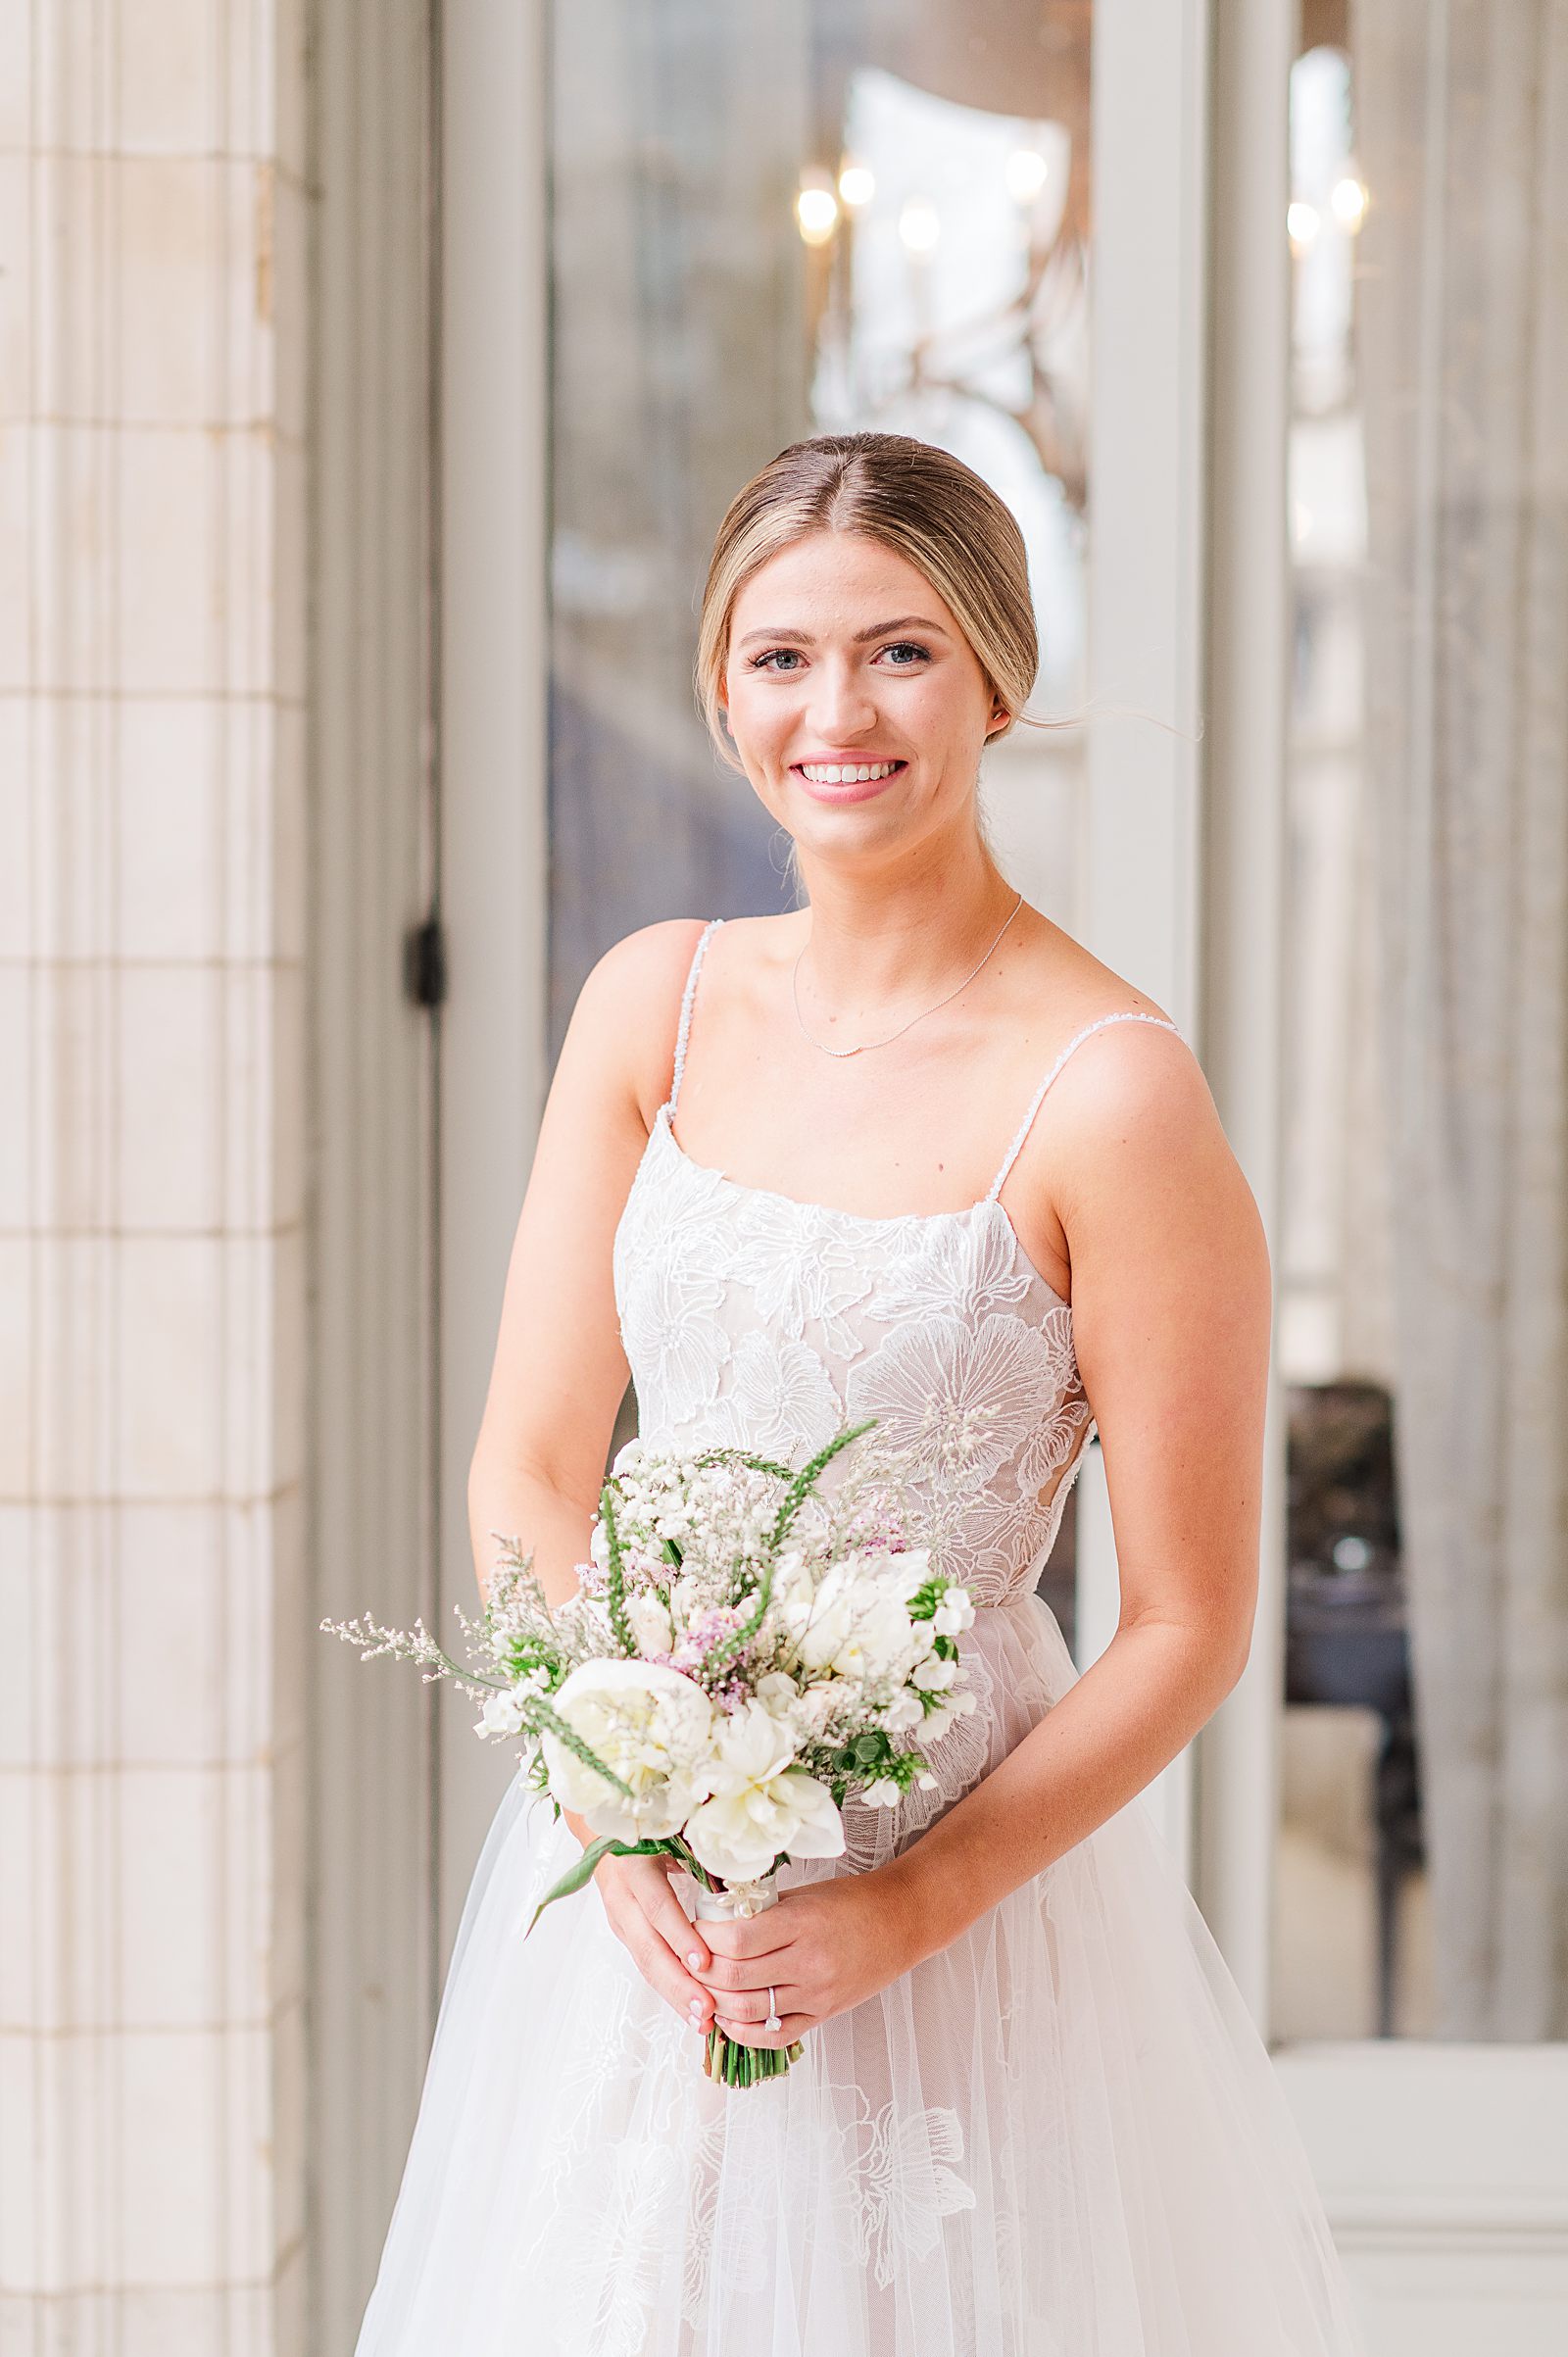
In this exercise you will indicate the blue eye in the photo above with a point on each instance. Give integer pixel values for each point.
(907, 646)
(759, 662)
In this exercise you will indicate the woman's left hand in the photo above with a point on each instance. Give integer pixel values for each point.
(823, 1947)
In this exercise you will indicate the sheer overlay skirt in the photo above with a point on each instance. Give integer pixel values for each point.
(1061, 2136)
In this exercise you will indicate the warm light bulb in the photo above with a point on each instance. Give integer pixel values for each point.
(1302, 223)
(919, 225)
(1027, 173)
(1348, 201)
(817, 210)
(857, 183)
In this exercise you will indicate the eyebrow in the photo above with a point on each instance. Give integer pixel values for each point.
(803, 638)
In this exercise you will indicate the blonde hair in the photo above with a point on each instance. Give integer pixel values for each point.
(920, 502)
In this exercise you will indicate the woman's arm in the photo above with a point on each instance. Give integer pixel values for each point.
(559, 1372)
(1171, 1304)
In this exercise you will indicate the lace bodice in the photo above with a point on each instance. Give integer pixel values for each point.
(753, 1318)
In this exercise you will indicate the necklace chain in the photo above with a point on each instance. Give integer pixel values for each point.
(914, 1018)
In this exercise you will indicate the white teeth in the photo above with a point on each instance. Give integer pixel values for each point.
(846, 777)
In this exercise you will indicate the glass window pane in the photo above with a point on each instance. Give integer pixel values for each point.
(1422, 1884)
(770, 220)
(773, 221)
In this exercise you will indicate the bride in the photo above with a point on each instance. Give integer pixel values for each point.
(938, 1164)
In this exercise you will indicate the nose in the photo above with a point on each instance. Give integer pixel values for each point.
(841, 705)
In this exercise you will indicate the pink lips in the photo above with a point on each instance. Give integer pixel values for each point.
(861, 791)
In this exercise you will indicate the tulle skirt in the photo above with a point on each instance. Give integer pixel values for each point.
(1059, 2137)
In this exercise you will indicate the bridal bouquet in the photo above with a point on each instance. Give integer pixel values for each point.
(742, 1654)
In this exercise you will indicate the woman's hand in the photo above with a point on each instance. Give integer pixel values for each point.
(649, 1922)
(823, 1947)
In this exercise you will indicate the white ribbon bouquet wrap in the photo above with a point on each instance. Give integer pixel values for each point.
(742, 1652)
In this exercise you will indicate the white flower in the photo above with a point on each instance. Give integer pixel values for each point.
(649, 1726)
(882, 1794)
(903, 1712)
(953, 1613)
(760, 1802)
(650, 1622)
(686, 1598)
(909, 1570)
(792, 1580)
(598, 1546)
(777, 1691)
(501, 1715)
(853, 1627)
(934, 1675)
(816, 1706)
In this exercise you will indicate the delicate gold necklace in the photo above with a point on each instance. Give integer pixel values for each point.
(914, 1018)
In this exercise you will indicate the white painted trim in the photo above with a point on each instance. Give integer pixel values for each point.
(495, 783)
(1144, 573)
(1247, 602)
(372, 1216)
(1444, 2169)
(1471, 2141)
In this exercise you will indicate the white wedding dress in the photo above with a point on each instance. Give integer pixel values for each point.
(1059, 2137)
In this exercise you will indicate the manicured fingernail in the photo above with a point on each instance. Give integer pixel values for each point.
(695, 1958)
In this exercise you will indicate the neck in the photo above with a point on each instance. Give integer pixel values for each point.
(881, 943)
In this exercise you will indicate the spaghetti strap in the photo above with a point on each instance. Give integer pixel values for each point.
(1127, 1014)
(687, 995)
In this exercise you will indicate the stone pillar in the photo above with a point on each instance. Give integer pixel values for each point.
(153, 315)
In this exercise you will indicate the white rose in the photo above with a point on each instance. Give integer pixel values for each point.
(777, 1691)
(760, 1804)
(501, 1715)
(649, 1726)
(650, 1622)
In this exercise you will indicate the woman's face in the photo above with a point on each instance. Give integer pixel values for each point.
(843, 659)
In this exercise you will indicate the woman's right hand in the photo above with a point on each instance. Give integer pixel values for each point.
(648, 1919)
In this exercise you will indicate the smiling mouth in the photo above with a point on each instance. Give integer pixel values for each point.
(845, 773)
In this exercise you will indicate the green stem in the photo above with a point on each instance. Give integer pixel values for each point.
(616, 1579)
(537, 1714)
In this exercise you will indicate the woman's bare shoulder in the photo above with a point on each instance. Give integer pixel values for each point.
(1082, 988)
(628, 1007)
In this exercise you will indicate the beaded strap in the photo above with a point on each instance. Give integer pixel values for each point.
(688, 995)
(1127, 1014)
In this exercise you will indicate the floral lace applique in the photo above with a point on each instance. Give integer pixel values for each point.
(752, 1320)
